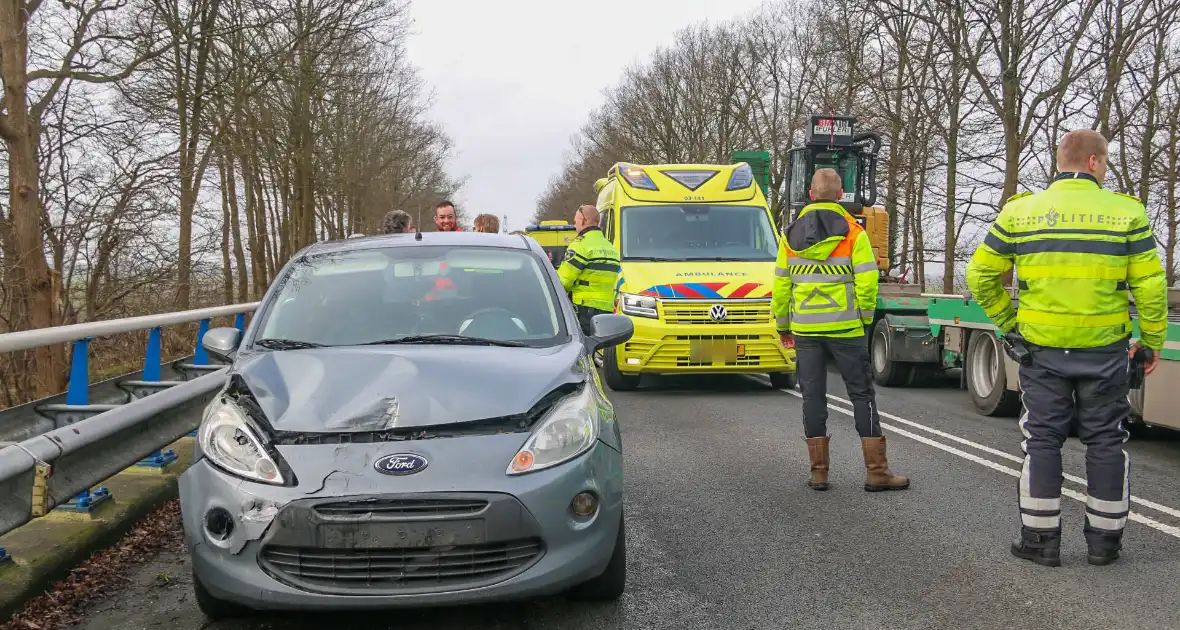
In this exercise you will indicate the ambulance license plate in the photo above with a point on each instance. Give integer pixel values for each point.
(715, 351)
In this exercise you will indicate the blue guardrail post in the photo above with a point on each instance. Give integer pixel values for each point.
(240, 322)
(151, 372)
(200, 357)
(78, 393)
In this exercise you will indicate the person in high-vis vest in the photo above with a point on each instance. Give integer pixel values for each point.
(1077, 250)
(590, 269)
(825, 294)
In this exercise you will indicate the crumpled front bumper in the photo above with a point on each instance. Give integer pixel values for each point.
(533, 507)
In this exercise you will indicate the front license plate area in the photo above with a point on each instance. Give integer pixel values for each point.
(715, 351)
(378, 535)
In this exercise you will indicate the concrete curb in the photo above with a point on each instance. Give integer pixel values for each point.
(48, 548)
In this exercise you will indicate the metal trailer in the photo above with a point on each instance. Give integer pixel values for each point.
(918, 336)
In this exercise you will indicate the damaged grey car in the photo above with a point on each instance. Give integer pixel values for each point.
(409, 420)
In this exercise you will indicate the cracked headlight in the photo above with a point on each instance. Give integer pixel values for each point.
(228, 440)
(567, 431)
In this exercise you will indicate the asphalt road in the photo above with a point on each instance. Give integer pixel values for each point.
(724, 533)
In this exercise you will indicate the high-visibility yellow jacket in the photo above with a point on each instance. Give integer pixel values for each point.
(1077, 250)
(825, 281)
(590, 270)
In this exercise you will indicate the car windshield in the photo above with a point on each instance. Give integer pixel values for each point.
(697, 232)
(421, 294)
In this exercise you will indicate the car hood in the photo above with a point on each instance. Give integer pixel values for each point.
(379, 388)
(717, 280)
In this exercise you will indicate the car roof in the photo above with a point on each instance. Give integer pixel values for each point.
(407, 239)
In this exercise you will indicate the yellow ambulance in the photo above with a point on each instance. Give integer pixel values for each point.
(698, 246)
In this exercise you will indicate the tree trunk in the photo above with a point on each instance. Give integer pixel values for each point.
(27, 272)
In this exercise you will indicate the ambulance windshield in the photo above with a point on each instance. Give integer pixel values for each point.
(697, 232)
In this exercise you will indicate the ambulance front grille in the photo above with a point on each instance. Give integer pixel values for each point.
(698, 313)
(759, 351)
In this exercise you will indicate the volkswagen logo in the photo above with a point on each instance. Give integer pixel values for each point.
(400, 464)
(717, 312)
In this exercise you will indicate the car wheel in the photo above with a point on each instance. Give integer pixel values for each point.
(784, 380)
(615, 379)
(610, 585)
(214, 608)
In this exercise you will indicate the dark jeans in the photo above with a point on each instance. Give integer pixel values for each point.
(852, 359)
(585, 316)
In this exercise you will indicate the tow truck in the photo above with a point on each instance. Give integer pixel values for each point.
(698, 246)
(917, 336)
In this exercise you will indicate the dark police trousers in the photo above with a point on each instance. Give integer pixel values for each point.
(585, 316)
(852, 359)
(1087, 387)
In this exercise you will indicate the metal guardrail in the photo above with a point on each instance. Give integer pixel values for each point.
(54, 450)
(54, 467)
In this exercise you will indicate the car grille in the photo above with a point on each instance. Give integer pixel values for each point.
(400, 570)
(752, 312)
(403, 507)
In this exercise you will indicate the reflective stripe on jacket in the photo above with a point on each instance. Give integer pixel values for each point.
(590, 269)
(1077, 250)
(826, 276)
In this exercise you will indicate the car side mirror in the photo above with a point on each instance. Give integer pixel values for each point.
(610, 330)
(222, 342)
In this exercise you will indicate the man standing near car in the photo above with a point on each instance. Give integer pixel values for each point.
(825, 293)
(590, 269)
(1078, 250)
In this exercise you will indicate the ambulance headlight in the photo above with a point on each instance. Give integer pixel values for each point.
(639, 305)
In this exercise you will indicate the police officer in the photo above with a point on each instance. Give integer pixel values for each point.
(590, 269)
(825, 293)
(1077, 250)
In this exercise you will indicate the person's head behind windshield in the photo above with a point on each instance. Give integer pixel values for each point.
(395, 222)
(487, 223)
(445, 218)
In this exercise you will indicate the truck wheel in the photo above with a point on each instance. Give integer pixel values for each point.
(886, 372)
(615, 379)
(987, 378)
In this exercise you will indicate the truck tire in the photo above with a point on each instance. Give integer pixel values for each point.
(886, 372)
(615, 379)
(986, 377)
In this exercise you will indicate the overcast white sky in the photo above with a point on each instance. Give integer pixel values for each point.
(515, 79)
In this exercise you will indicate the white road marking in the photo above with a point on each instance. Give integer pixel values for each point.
(1013, 458)
(1073, 494)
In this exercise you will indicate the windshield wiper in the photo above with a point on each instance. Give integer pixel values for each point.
(652, 259)
(287, 344)
(446, 338)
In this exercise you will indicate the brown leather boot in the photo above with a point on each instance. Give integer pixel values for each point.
(817, 448)
(878, 477)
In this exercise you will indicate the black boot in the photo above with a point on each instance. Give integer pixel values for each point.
(1104, 546)
(1041, 546)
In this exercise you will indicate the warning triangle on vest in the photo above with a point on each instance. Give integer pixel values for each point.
(816, 300)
